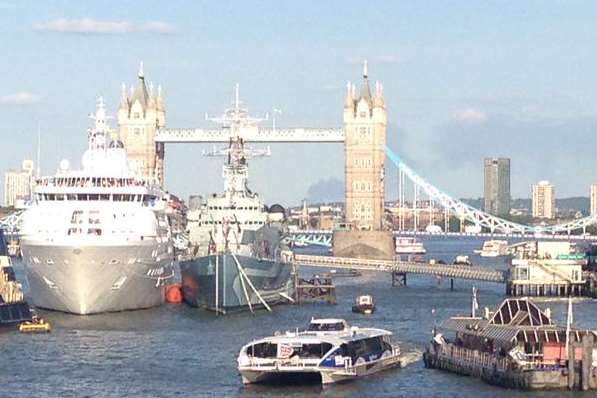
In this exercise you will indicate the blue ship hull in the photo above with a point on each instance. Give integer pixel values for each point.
(215, 282)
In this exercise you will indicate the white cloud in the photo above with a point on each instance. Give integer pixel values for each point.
(22, 98)
(387, 59)
(470, 115)
(330, 88)
(92, 26)
(157, 27)
(354, 60)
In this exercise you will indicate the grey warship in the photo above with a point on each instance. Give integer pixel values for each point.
(238, 259)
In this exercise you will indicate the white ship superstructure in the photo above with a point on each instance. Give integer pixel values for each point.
(97, 239)
(237, 256)
(409, 246)
(219, 222)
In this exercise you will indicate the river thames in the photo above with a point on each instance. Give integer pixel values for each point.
(175, 350)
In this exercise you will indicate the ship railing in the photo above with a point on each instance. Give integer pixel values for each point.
(475, 357)
(281, 363)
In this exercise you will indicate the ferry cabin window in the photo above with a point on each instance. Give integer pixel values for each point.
(94, 217)
(326, 327)
(263, 350)
(77, 217)
(312, 350)
(366, 347)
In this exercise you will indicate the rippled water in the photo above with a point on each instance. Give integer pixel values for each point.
(175, 350)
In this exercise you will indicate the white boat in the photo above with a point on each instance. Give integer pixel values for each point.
(493, 248)
(364, 304)
(409, 246)
(328, 351)
(97, 239)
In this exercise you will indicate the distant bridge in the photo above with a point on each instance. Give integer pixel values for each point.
(324, 237)
(403, 267)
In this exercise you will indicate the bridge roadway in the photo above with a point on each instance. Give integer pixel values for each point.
(405, 267)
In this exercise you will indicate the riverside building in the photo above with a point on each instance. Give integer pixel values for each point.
(593, 199)
(18, 183)
(497, 186)
(544, 200)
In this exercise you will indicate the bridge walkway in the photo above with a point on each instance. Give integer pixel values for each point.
(406, 267)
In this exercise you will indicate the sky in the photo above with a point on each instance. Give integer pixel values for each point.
(462, 81)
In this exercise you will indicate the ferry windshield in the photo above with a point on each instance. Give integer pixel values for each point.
(326, 327)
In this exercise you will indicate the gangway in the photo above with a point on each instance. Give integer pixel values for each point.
(403, 267)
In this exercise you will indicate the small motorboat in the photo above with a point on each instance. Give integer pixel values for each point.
(37, 325)
(364, 304)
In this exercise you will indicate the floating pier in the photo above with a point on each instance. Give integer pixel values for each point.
(316, 289)
(517, 346)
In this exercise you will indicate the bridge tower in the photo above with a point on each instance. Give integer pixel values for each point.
(365, 128)
(140, 115)
(364, 146)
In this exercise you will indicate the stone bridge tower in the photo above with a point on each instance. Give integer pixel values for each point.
(365, 129)
(365, 140)
(140, 115)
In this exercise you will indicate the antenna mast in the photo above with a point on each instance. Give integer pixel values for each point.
(38, 148)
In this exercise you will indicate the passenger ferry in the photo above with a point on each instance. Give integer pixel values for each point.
(493, 248)
(328, 351)
(409, 246)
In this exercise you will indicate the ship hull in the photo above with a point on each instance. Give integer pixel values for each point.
(216, 283)
(91, 279)
(14, 313)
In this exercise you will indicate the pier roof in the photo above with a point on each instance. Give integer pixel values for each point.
(515, 320)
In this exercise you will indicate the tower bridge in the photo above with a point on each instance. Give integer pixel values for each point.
(364, 138)
(142, 128)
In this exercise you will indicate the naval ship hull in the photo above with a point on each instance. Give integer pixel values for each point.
(215, 282)
(91, 279)
(14, 313)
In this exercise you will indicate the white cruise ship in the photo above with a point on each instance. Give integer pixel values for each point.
(328, 351)
(97, 239)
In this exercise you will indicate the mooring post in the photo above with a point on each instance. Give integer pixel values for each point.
(587, 362)
(571, 358)
(451, 283)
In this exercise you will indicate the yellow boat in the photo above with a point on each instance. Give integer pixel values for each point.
(38, 326)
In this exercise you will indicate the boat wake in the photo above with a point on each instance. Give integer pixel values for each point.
(412, 356)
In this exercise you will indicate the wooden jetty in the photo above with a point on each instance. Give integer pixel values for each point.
(316, 289)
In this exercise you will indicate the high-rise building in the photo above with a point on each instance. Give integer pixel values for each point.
(365, 129)
(140, 115)
(544, 200)
(18, 184)
(497, 186)
(593, 199)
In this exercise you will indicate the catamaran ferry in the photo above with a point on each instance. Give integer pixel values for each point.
(328, 351)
